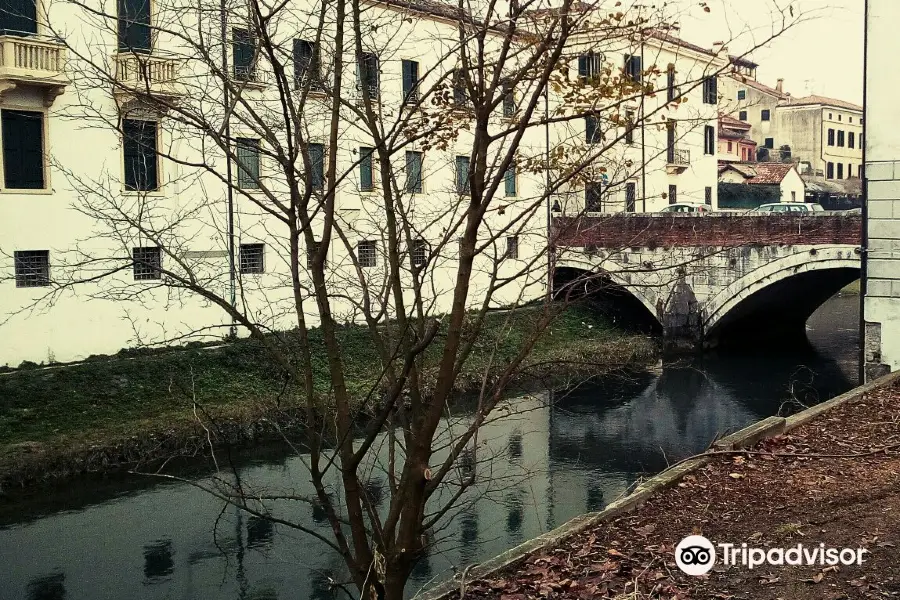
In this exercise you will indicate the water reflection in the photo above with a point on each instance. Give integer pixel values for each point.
(564, 454)
(48, 587)
(158, 562)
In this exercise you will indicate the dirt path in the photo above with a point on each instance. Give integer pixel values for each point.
(756, 498)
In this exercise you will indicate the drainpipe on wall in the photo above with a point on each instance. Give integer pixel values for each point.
(232, 330)
(643, 141)
(864, 234)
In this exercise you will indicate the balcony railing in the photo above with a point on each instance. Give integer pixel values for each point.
(147, 74)
(33, 60)
(678, 157)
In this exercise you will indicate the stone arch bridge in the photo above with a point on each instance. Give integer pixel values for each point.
(705, 280)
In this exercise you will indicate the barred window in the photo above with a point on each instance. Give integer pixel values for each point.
(147, 262)
(512, 246)
(366, 253)
(32, 268)
(419, 253)
(252, 258)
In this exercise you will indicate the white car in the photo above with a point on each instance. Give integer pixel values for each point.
(686, 207)
(793, 207)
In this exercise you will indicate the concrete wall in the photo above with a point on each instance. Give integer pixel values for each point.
(882, 171)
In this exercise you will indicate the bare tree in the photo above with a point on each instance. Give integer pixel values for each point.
(348, 181)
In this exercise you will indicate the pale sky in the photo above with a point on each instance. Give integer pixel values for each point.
(823, 55)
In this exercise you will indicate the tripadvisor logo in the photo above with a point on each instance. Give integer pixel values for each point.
(696, 555)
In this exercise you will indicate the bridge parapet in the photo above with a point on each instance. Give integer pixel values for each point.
(655, 230)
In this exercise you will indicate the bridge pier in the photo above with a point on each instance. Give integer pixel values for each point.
(681, 318)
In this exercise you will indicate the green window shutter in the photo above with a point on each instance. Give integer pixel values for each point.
(248, 163)
(317, 163)
(509, 180)
(462, 174)
(366, 183)
(23, 149)
(134, 26)
(414, 172)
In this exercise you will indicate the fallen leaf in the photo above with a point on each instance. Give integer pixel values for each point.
(736, 475)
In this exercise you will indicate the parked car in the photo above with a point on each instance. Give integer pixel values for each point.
(686, 207)
(782, 207)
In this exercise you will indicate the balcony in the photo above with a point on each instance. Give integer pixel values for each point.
(146, 76)
(677, 160)
(33, 61)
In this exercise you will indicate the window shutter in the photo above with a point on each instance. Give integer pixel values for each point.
(410, 78)
(23, 149)
(243, 48)
(414, 172)
(139, 149)
(462, 174)
(18, 17)
(510, 181)
(630, 196)
(317, 165)
(365, 170)
(583, 66)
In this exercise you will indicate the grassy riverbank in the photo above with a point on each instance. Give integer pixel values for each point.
(118, 410)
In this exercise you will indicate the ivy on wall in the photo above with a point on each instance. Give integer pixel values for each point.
(744, 196)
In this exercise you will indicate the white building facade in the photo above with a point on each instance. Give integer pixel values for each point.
(82, 156)
(882, 192)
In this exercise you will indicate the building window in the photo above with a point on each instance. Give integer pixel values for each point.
(840, 170)
(317, 166)
(589, 66)
(147, 263)
(709, 140)
(850, 119)
(829, 171)
(410, 81)
(831, 137)
(729, 146)
(23, 149)
(851, 139)
(134, 25)
(793, 196)
(593, 197)
(769, 143)
(244, 48)
(139, 149)
(306, 64)
(509, 102)
(742, 116)
(673, 194)
(830, 116)
(629, 126)
(460, 94)
(592, 129)
(633, 70)
(366, 254)
(367, 76)
(839, 117)
(512, 247)
(765, 115)
(670, 141)
(462, 175)
(32, 268)
(509, 181)
(248, 164)
(840, 138)
(859, 171)
(710, 92)
(311, 251)
(849, 170)
(630, 196)
(20, 17)
(413, 172)
(670, 83)
(419, 253)
(742, 94)
(366, 175)
(252, 258)
(707, 195)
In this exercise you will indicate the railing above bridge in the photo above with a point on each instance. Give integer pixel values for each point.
(657, 230)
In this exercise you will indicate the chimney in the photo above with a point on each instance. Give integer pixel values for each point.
(779, 85)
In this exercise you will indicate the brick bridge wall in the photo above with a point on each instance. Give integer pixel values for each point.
(697, 274)
(647, 230)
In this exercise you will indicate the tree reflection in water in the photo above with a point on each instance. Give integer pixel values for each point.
(48, 587)
(158, 562)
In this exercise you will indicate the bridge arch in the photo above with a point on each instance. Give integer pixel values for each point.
(776, 299)
(637, 302)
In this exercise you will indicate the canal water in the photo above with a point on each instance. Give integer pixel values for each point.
(559, 455)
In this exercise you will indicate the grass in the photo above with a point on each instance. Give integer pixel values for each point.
(99, 401)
